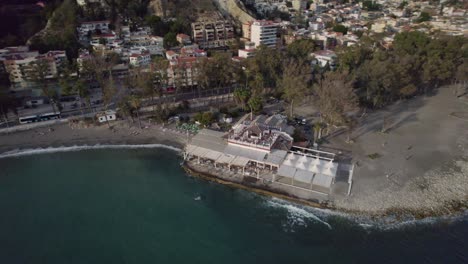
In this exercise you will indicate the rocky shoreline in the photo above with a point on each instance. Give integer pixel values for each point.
(450, 208)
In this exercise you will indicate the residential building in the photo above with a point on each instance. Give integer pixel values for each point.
(19, 67)
(93, 27)
(140, 58)
(299, 5)
(246, 30)
(182, 71)
(324, 58)
(248, 51)
(213, 34)
(183, 39)
(263, 32)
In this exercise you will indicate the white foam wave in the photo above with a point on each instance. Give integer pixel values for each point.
(296, 214)
(300, 213)
(36, 151)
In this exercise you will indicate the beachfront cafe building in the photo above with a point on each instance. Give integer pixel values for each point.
(262, 148)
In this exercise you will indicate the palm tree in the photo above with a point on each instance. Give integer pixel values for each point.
(241, 96)
(255, 104)
(125, 109)
(135, 103)
(38, 74)
(318, 128)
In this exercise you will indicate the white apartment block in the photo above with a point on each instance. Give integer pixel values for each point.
(263, 32)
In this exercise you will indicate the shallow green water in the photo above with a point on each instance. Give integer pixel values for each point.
(138, 206)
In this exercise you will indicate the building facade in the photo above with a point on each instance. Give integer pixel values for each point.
(213, 34)
(263, 32)
(19, 66)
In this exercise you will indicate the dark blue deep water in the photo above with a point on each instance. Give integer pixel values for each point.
(138, 206)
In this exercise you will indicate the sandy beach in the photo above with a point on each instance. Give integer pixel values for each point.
(64, 135)
(422, 168)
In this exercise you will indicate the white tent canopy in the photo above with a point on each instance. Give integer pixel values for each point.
(304, 176)
(311, 164)
(322, 180)
(286, 171)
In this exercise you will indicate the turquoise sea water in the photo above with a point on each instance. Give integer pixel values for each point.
(138, 206)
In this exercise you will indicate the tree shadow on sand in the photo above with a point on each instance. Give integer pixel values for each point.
(394, 116)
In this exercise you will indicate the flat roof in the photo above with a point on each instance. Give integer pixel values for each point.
(209, 139)
(322, 180)
(240, 161)
(250, 153)
(304, 176)
(276, 157)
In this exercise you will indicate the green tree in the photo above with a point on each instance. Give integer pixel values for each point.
(241, 96)
(268, 63)
(294, 83)
(71, 85)
(423, 17)
(300, 49)
(205, 118)
(135, 104)
(255, 104)
(39, 74)
(336, 98)
(340, 28)
(170, 40)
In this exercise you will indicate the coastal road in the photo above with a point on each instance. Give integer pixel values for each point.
(71, 110)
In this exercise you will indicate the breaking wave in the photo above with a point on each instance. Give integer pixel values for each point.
(298, 214)
(35, 151)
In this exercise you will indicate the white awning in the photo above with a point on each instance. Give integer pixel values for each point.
(240, 161)
(275, 157)
(304, 176)
(286, 171)
(314, 165)
(251, 154)
(224, 158)
(213, 155)
(322, 180)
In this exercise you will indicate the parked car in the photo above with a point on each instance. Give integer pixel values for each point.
(300, 120)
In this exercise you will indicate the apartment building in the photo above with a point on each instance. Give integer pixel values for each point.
(263, 32)
(140, 59)
(182, 71)
(18, 64)
(248, 51)
(93, 26)
(183, 39)
(213, 34)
